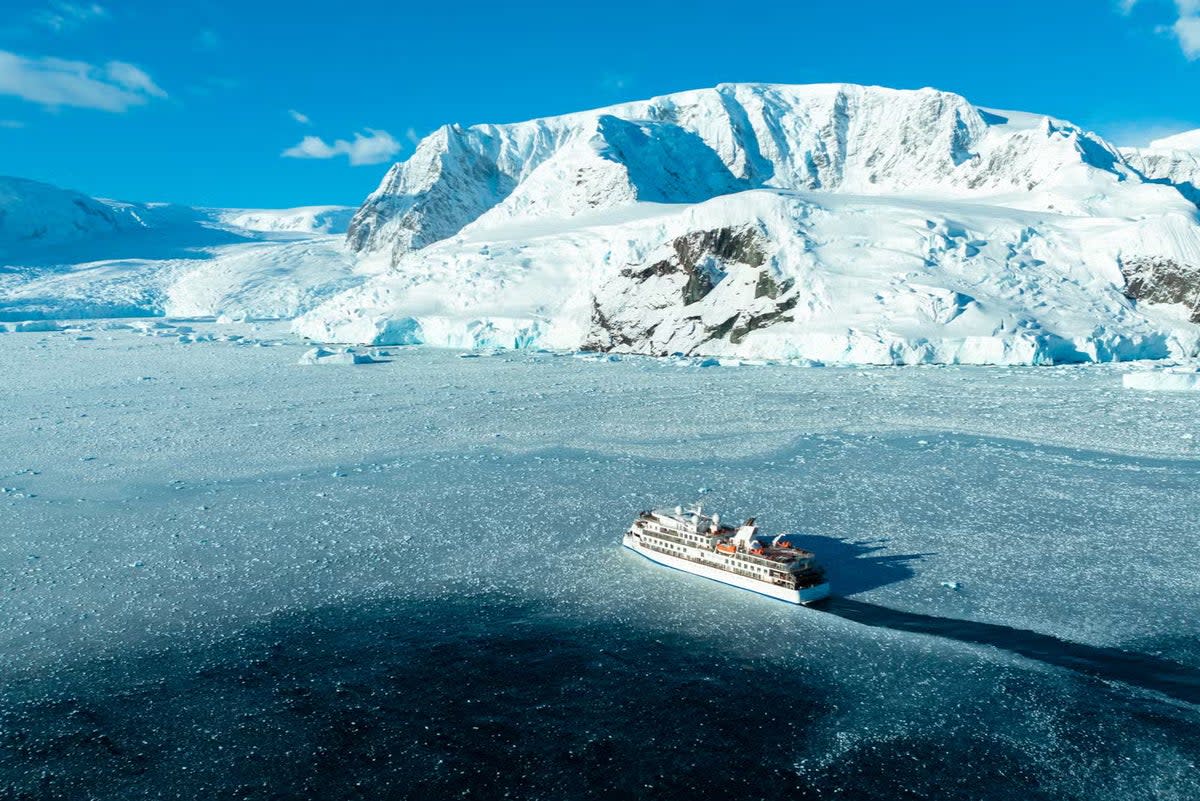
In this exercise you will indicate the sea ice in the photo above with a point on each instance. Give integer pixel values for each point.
(1163, 380)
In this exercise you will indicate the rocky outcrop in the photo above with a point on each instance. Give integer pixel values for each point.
(1162, 280)
(671, 293)
(833, 223)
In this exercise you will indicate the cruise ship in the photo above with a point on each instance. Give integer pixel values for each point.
(696, 543)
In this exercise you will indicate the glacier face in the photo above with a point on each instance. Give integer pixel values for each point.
(835, 223)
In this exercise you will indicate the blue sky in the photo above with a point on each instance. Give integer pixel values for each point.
(210, 103)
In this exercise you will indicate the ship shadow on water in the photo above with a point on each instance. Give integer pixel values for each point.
(859, 565)
(1146, 671)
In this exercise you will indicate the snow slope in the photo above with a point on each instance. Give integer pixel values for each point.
(64, 255)
(831, 222)
(42, 224)
(301, 220)
(1188, 140)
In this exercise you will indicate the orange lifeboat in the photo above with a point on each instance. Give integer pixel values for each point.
(725, 547)
(785, 544)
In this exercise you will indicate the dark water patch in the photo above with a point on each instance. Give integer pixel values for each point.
(482, 697)
(915, 768)
(463, 698)
(1146, 671)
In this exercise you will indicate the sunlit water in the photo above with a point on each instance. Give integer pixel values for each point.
(230, 576)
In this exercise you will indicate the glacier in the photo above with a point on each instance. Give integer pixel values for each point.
(888, 227)
(66, 256)
(831, 224)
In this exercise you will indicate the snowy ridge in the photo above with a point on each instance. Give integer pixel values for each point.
(300, 220)
(833, 223)
(1177, 168)
(1188, 140)
(64, 255)
(37, 217)
(693, 146)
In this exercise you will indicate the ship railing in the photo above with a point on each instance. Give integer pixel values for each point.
(781, 581)
(797, 566)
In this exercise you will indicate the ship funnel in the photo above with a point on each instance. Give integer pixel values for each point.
(745, 533)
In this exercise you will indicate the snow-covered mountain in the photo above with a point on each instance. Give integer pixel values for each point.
(302, 220)
(1174, 160)
(39, 221)
(65, 255)
(1187, 140)
(832, 222)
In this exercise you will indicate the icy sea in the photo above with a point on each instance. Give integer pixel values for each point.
(226, 575)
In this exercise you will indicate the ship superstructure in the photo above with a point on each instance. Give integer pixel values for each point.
(691, 541)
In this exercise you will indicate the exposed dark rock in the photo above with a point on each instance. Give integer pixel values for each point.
(721, 331)
(1155, 279)
(767, 287)
(604, 335)
(698, 264)
(747, 323)
(692, 251)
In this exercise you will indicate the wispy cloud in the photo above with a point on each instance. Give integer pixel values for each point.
(372, 147)
(11, 124)
(63, 17)
(412, 136)
(55, 82)
(1185, 29)
(298, 117)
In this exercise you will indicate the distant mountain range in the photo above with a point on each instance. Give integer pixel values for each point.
(64, 255)
(835, 223)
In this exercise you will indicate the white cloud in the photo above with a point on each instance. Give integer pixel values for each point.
(372, 147)
(132, 78)
(1186, 28)
(63, 17)
(1187, 31)
(412, 136)
(54, 82)
(298, 117)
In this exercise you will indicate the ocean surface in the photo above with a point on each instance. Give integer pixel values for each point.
(230, 576)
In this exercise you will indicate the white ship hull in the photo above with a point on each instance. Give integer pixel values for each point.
(804, 596)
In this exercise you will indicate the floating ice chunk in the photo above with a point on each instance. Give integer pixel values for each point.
(597, 357)
(951, 585)
(343, 356)
(1175, 379)
(32, 326)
